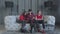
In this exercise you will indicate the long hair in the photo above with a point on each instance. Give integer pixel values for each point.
(24, 13)
(38, 11)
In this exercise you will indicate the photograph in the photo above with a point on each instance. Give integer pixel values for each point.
(29, 16)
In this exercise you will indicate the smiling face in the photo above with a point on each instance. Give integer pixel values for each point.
(39, 13)
(25, 13)
(30, 12)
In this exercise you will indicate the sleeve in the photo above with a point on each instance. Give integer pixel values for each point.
(21, 17)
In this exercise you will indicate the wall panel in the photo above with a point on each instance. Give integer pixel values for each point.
(25, 4)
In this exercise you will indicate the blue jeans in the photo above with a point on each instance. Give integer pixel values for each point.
(23, 24)
(32, 25)
(40, 22)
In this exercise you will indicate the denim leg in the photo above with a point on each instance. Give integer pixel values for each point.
(23, 24)
(31, 25)
(36, 26)
(43, 25)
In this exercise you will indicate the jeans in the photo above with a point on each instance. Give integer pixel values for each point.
(37, 22)
(23, 24)
(32, 25)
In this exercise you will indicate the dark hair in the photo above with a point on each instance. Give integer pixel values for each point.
(23, 12)
(29, 10)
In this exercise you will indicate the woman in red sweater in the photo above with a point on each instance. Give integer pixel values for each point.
(23, 18)
(39, 20)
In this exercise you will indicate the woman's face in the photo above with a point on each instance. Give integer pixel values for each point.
(25, 13)
(39, 12)
(30, 12)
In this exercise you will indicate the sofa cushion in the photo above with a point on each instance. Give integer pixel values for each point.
(10, 23)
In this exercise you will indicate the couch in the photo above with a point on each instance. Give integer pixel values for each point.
(11, 24)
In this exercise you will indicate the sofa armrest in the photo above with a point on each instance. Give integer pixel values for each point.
(10, 23)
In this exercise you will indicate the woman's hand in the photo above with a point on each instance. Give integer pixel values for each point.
(39, 19)
(33, 18)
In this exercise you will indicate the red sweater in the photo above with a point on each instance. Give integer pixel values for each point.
(21, 18)
(39, 17)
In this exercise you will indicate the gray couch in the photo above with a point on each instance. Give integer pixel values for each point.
(10, 23)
